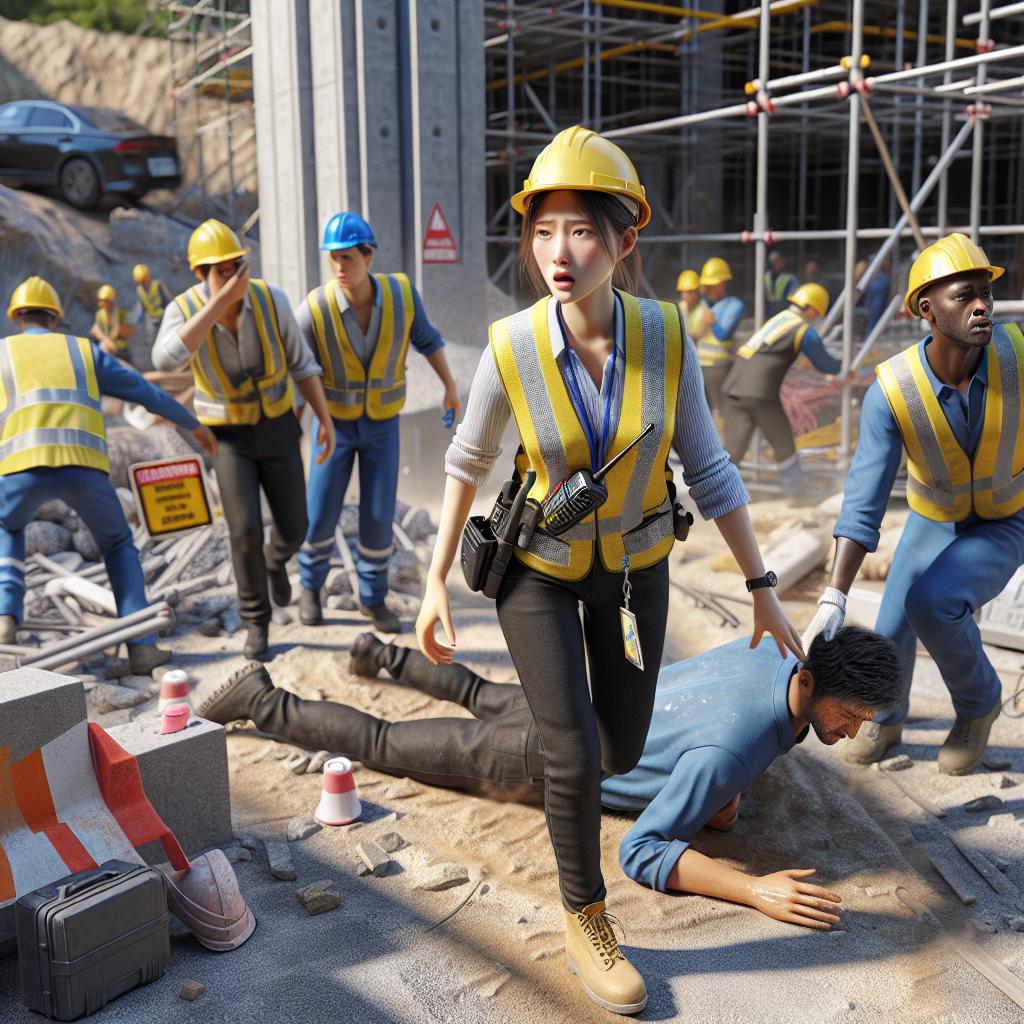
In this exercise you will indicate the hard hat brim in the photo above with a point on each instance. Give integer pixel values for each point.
(910, 303)
(210, 261)
(13, 311)
(519, 201)
(340, 246)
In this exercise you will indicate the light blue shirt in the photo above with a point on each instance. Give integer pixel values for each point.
(880, 449)
(728, 314)
(720, 719)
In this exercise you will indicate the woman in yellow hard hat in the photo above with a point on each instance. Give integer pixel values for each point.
(715, 348)
(753, 386)
(240, 338)
(110, 329)
(585, 371)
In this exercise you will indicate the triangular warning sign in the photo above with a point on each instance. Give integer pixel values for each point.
(439, 242)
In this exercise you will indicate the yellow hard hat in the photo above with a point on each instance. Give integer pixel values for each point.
(213, 242)
(577, 158)
(715, 271)
(106, 292)
(812, 295)
(687, 281)
(140, 273)
(35, 293)
(949, 256)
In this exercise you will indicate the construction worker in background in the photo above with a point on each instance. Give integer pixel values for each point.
(53, 445)
(779, 284)
(755, 380)
(714, 350)
(153, 298)
(953, 403)
(111, 329)
(360, 326)
(695, 311)
(875, 296)
(244, 348)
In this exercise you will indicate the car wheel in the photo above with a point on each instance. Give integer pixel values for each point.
(79, 183)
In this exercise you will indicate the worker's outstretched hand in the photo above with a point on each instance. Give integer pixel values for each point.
(785, 896)
(206, 439)
(770, 618)
(433, 610)
(325, 441)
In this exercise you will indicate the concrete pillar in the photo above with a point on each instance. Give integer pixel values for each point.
(283, 98)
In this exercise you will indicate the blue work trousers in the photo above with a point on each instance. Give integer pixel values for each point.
(941, 574)
(90, 494)
(376, 444)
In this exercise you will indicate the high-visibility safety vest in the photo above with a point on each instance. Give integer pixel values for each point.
(763, 360)
(636, 519)
(942, 483)
(109, 324)
(712, 351)
(352, 389)
(221, 401)
(694, 319)
(151, 299)
(778, 289)
(49, 404)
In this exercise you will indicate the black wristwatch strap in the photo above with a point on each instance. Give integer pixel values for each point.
(769, 579)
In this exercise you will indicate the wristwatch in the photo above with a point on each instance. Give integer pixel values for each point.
(769, 579)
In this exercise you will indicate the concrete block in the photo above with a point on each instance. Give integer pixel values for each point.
(35, 707)
(185, 775)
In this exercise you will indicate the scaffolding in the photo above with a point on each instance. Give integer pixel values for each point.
(211, 60)
(797, 124)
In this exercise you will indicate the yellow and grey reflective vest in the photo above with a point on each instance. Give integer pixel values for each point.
(636, 519)
(49, 404)
(763, 360)
(694, 320)
(352, 389)
(778, 289)
(151, 300)
(221, 401)
(109, 324)
(943, 484)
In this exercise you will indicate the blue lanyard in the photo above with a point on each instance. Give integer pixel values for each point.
(598, 445)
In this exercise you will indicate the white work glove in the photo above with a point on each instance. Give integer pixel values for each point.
(828, 619)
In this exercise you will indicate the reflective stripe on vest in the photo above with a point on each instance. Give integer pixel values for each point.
(221, 401)
(695, 320)
(150, 299)
(50, 404)
(942, 483)
(780, 332)
(636, 519)
(710, 350)
(778, 289)
(349, 393)
(103, 321)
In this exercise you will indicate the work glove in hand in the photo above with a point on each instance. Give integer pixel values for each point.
(828, 619)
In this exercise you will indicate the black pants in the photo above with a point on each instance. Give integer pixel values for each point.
(497, 754)
(265, 455)
(714, 379)
(586, 733)
(742, 415)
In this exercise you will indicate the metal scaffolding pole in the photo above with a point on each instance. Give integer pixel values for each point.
(852, 167)
(761, 205)
(947, 114)
(922, 59)
(978, 152)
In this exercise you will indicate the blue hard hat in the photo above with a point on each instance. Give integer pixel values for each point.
(345, 230)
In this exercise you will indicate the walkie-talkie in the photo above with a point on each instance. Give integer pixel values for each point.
(574, 499)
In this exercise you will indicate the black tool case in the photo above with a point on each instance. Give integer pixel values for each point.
(88, 938)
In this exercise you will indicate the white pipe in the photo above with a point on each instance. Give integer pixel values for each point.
(1006, 83)
(86, 647)
(948, 65)
(1000, 12)
(159, 609)
(876, 332)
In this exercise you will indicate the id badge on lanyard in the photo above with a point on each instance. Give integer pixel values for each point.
(627, 619)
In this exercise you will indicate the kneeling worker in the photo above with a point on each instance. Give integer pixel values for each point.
(110, 329)
(720, 720)
(241, 340)
(755, 380)
(53, 445)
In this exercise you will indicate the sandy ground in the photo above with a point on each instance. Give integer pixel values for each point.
(500, 958)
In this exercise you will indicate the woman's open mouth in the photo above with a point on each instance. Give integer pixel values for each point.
(563, 280)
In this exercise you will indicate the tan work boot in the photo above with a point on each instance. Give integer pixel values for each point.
(592, 950)
(8, 629)
(143, 658)
(965, 745)
(872, 743)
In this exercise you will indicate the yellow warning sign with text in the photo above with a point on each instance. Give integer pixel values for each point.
(171, 495)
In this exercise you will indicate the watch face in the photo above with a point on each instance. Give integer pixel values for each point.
(770, 578)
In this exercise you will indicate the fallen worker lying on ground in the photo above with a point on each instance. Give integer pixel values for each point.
(720, 719)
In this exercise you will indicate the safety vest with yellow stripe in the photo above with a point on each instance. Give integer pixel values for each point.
(49, 404)
(352, 389)
(778, 289)
(221, 401)
(711, 350)
(636, 519)
(694, 320)
(764, 359)
(943, 484)
(151, 300)
(110, 325)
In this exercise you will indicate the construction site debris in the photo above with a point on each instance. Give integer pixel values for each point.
(319, 897)
(373, 857)
(107, 697)
(190, 990)
(439, 877)
(302, 828)
(983, 803)
(317, 762)
(392, 842)
(894, 764)
(280, 860)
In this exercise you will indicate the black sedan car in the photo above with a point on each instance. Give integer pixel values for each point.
(84, 152)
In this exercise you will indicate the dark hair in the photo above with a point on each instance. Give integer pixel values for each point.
(857, 665)
(611, 219)
(39, 317)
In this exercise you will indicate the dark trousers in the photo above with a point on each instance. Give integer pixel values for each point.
(743, 415)
(265, 455)
(586, 732)
(495, 754)
(714, 379)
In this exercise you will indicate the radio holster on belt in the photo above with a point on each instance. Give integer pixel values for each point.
(487, 542)
(681, 519)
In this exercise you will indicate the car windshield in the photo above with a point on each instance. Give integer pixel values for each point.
(106, 120)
